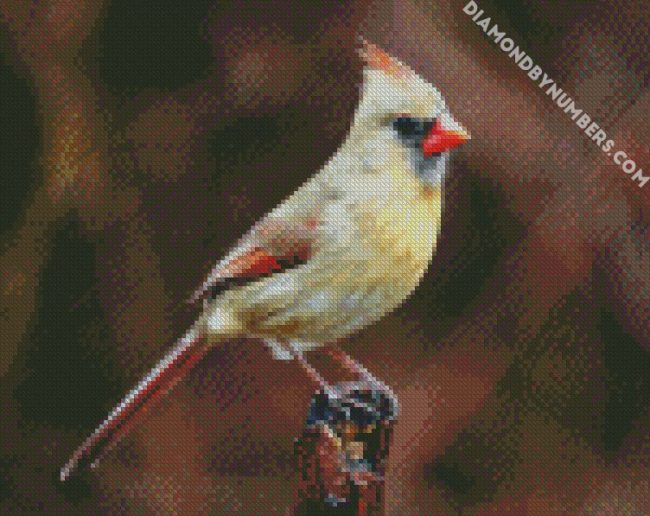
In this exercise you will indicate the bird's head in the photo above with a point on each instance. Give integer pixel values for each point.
(400, 115)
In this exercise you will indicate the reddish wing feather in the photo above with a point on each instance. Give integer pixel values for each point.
(273, 247)
(254, 263)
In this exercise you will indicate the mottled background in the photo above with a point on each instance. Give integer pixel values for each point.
(139, 139)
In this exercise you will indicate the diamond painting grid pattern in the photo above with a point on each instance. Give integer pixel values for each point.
(139, 144)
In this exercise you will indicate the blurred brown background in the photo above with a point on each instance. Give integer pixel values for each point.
(140, 139)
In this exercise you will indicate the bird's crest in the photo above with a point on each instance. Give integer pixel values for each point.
(379, 59)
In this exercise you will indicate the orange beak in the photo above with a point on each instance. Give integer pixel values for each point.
(441, 140)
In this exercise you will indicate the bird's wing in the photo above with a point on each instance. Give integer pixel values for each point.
(273, 245)
(287, 236)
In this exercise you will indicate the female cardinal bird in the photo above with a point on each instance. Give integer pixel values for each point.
(342, 251)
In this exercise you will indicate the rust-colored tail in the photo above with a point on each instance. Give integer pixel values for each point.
(174, 366)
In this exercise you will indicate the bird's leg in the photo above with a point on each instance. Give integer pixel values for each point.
(357, 368)
(309, 369)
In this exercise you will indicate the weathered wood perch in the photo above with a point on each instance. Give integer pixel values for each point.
(343, 451)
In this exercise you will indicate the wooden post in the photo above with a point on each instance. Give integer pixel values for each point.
(343, 451)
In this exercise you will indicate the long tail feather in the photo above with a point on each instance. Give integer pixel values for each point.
(174, 366)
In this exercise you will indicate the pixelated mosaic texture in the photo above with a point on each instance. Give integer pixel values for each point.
(138, 143)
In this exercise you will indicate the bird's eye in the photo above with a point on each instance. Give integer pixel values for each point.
(412, 128)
